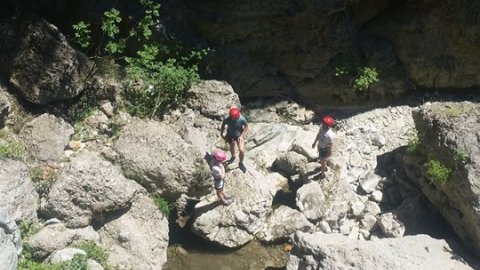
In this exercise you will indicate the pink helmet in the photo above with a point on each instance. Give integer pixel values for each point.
(234, 113)
(328, 121)
(219, 155)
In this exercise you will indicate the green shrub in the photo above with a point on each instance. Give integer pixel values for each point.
(437, 172)
(82, 34)
(11, 147)
(79, 262)
(94, 252)
(366, 77)
(163, 205)
(356, 71)
(460, 156)
(81, 107)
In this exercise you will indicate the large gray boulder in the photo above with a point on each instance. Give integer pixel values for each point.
(236, 224)
(10, 242)
(156, 156)
(19, 198)
(449, 134)
(138, 239)
(87, 188)
(213, 99)
(46, 137)
(282, 223)
(334, 251)
(55, 237)
(44, 67)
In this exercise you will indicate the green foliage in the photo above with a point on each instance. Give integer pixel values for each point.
(460, 156)
(111, 29)
(94, 252)
(28, 228)
(355, 71)
(158, 75)
(437, 172)
(82, 34)
(79, 262)
(11, 147)
(163, 205)
(366, 77)
(412, 145)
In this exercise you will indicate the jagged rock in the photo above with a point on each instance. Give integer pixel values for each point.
(138, 239)
(42, 65)
(5, 105)
(376, 196)
(236, 224)
(57, 237)
(313, 202)
(213, 99)
(282, 223)
(372, 208)
(368, 222)
(370, 182)
(290, 163)
(449, 134)
(19, 198)
(10, 242)
(46, 137)
(333, 251)
(88, 188)
(155, 155)
(390, 225)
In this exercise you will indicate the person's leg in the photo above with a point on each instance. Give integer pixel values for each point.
(241, 149)
(323, 162)
(231, 142)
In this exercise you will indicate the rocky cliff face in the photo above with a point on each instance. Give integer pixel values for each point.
(293, 48)
(446, 164)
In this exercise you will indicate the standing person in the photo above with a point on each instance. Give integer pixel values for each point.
(237, 127)
(325, 139)
(218, 173)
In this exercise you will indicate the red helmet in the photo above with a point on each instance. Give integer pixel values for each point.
(234, 113)
(328, 121)
(219, 155)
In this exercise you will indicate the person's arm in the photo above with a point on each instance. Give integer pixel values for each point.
(316, 140)
(222, 129)
(245, 129)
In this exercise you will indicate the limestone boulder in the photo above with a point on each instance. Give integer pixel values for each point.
(46, 137)
(236, 224)
(43, 67)
(138, 239)
(20, 200)
(448, 134)
(87, 188)
(155, 155)
(212, 98)
(10, 242)
(334, 251)
(283, 222)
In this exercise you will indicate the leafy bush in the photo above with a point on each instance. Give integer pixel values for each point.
(158, 75)
(11, 147)
(355, 71)
(94, 252)
(460, 156)
(79, 262)
(82, 34)
(366, 77)
(437, 172)
(163, 205)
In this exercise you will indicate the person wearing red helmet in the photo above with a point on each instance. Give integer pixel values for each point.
(325, 139)
(218, 173)
(236, 126)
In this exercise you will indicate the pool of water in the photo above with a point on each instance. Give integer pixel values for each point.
(253, 256)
